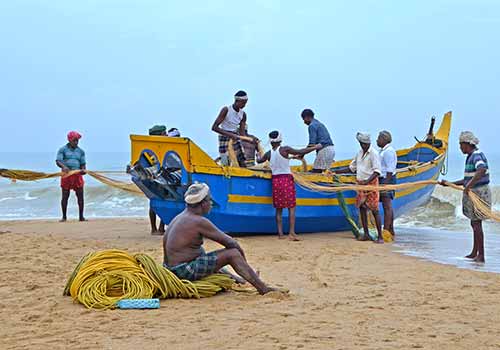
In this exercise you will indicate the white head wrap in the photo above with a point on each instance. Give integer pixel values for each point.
(241, 98)
(174, 133)
(277, 138)
(468, 137)
(196, 193)
(363, 137)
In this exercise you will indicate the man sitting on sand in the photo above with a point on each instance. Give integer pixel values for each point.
(183, 252)
(476, 179)
(283, 185)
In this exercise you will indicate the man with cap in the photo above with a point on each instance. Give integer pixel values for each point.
(388, 162)
(183, 252)
(318, 134)
(476, 179)
(366, 165)
(283, 185)
(230, 125)
(70, 157)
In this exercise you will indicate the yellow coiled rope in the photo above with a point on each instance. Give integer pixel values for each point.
(103, 278)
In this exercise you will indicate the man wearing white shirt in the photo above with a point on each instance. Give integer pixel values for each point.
(388, 162)
(366, 165)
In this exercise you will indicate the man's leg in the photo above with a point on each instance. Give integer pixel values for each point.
(473, 253)
(64, 204)
(388, 214)
(234, 258)
(477, 226)
(291, 219)
(279, 222)
(364, 222)
(378, 223)
(79, 196)
(161, 228)
(240, 155)
(152, 220)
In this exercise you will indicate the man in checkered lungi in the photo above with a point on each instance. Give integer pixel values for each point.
(183, 252)
(230, 125)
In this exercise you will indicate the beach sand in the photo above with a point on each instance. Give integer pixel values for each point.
(343, 295)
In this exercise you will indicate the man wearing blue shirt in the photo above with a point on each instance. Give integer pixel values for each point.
(70, 158)
(318, 134)
(476, 179)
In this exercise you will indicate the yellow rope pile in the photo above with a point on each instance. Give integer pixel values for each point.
(103, 278)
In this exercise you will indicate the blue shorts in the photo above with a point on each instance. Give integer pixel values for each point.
(204, 265)
(387, 194)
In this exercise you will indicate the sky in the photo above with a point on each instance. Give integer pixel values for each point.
(111, 68)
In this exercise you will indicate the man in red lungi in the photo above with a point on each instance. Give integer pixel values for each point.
(282, 180)
(69, 158)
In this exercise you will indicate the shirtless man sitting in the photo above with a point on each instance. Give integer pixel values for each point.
(183, 252)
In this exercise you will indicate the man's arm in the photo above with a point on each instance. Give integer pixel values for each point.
(267, 156)
(313, 135)
(243, 123)
(286, 151)
(83, 163)
(220, 118)
(60, 161)
(480, 172)
(210, 231)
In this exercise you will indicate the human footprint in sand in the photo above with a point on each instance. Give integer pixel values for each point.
(183, 252)
(284, 195)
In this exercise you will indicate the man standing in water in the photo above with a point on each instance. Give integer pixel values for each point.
(476, 179)
(183, 252)
(71, 157)
(230, 125)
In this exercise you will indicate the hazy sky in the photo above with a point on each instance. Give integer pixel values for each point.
(109, 68)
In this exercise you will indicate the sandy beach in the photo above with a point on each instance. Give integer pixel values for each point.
(343, 295)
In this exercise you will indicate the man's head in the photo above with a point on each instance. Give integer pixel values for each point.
(158, 130)
(384, 138)
(364, 140)
(197, 196)
(174, 132)
(307, 116)
(240, 99)
(73, 138)
(275, 138)
(468, 142)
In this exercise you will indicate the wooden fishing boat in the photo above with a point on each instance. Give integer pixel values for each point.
(165, 166)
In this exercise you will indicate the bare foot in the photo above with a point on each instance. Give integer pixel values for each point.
(471, 256)
(63, 220)
(83, 219)
(281, 236)
(479, 259)
(363, 238)
(156, 233)
(293, 237)
(379, 241)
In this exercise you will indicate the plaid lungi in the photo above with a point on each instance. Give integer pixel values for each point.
(369, 198)
(284, 195)
(324, 158)
(237, 147)
(204, 265)
(484, 193)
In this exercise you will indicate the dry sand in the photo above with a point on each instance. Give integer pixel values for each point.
(344, 295)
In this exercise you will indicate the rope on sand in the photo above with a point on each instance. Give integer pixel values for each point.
(101, 279)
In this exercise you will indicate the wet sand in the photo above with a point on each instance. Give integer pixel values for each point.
(344, 295)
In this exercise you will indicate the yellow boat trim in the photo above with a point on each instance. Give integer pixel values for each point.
(236, 198)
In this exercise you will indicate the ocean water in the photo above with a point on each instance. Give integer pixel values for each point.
(437, 231)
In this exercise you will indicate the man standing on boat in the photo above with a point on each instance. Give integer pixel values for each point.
(388, 162)
(476, 179)
(230, 125)
(283, 185)
(318, 134)
(156, 130)
(183, 252)
(71, 157)
(366, 165)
